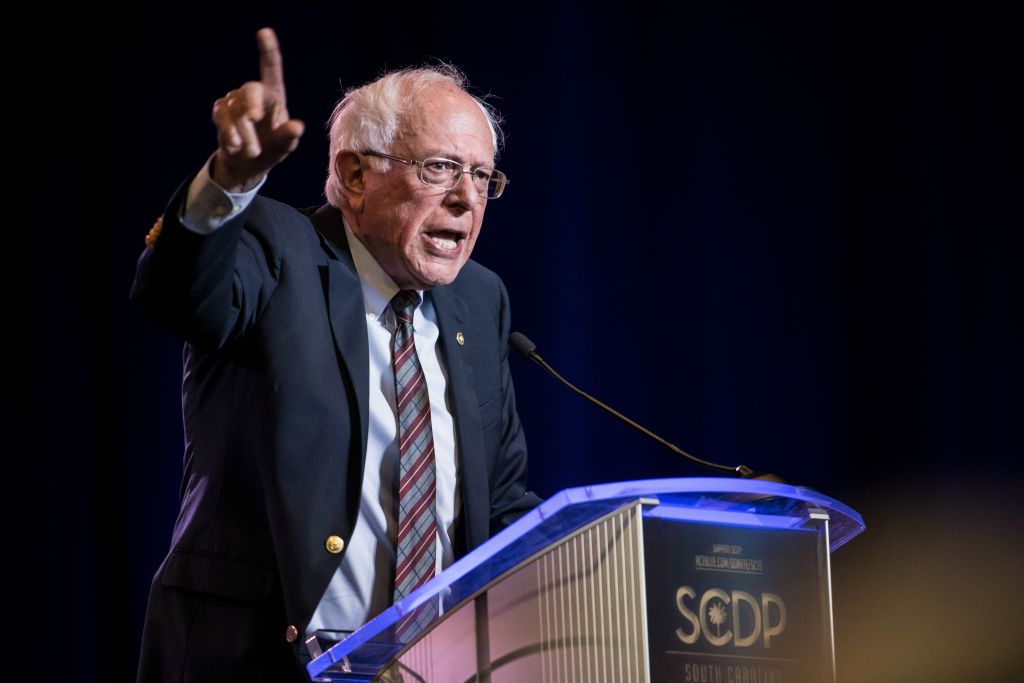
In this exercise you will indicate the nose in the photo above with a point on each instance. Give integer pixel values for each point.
(464, 193)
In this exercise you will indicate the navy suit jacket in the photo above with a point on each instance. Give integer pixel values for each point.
(275, 402)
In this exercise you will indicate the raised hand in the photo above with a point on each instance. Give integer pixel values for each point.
(253, 127)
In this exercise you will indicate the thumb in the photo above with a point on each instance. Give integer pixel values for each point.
(285, 138)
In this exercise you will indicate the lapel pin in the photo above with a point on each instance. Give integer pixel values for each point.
(460, 338)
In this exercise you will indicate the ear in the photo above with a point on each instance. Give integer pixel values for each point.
(350, 169)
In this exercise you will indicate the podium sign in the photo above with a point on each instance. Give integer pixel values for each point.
(699, 579)
(733, 604)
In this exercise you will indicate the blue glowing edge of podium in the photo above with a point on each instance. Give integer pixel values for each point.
(705, 500)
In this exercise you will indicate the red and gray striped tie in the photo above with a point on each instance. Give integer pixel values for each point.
(417, 528)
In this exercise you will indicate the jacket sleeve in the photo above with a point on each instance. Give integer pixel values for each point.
(510, 498)
(208, 289)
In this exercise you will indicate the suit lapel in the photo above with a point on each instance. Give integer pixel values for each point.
(345, 307)
(344, 296)
(451, 315)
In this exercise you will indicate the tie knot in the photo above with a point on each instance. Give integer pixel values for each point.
(404, 304)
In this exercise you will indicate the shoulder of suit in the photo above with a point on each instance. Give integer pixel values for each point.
(263, 208)
(280, 223)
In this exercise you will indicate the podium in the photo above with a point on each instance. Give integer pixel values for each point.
(693, 579)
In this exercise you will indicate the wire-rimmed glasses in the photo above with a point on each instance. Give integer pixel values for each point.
(445, 174)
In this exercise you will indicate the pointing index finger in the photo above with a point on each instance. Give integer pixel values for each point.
(271, 72)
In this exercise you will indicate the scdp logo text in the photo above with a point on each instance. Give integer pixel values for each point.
(735, 617)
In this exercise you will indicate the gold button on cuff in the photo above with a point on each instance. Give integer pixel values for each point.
(459, 337)
(334, 544)
(291, 634)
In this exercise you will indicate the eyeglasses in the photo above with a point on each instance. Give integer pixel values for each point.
(445, 174)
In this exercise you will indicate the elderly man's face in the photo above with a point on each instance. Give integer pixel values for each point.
(420, 235)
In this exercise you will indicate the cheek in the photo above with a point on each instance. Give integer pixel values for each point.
(395, 210)
(410, 233)
(397, 225)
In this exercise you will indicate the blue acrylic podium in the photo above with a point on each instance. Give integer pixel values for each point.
(698, 579)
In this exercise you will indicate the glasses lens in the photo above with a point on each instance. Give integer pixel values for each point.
(440, 173)
(496, 184)
(482, 178)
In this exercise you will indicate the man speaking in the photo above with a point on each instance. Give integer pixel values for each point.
(349, 415)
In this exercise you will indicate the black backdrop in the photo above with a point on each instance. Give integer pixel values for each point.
(779, 235)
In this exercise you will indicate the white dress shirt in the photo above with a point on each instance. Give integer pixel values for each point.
(363, 585)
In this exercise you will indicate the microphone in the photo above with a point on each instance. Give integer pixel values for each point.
(526, 348)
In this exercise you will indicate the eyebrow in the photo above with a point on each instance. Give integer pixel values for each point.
(440, 154)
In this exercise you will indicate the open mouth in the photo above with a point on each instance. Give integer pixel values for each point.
(445, 240)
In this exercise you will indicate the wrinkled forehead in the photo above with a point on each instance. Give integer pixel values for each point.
(442, 118)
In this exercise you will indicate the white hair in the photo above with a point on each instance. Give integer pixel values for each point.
(370, 117)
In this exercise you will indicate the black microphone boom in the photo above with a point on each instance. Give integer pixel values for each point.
(526, 348)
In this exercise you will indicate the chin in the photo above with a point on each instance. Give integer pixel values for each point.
(436, 281)
(436, 277)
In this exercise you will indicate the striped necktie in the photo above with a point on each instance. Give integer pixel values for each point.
(417, 528)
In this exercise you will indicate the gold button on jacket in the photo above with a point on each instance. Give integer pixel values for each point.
(334, 544)
(291, 633)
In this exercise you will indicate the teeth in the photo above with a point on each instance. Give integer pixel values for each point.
(443, 243)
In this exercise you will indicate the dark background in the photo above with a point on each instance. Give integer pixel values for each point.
(779, 234)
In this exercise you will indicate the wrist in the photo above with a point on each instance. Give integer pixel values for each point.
(230, 182)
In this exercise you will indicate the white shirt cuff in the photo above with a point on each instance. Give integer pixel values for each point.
(208, 205)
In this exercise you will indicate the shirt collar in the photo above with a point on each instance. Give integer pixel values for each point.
(378, 287)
